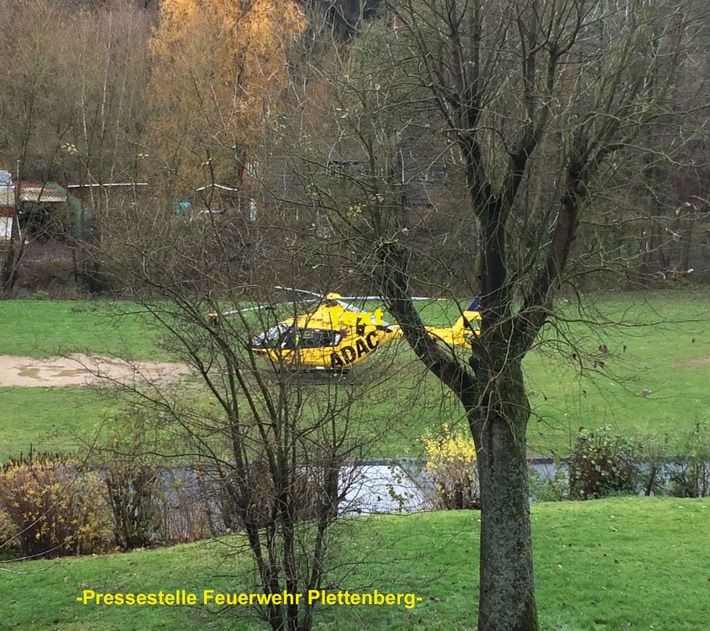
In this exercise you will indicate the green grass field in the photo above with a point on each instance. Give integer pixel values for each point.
(51, 419)
(615, 564)
(662, 346)
(42, 328)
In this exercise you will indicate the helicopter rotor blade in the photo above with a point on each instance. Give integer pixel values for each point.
(268, 307)
(216, 314)
(362, 298)
(315, 297)
(383, 298)
(323, 297)
(348, 306)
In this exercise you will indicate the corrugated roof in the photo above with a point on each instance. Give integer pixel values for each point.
(49, 192)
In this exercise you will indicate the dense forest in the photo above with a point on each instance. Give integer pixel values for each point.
(207, 107)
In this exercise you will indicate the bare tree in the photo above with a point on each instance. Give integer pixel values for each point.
(275, 448)
(75, 112)
(534, 106)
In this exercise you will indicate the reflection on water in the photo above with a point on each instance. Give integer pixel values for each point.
(379, 488)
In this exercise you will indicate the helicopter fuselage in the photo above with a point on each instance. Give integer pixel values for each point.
(334, 339)
(325, 349)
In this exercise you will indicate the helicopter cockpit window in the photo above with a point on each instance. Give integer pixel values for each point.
(286, 336)
(318, 338)
(274, 337)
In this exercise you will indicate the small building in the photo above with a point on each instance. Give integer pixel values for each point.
(37, 199)
(7, 205)
(42, 193)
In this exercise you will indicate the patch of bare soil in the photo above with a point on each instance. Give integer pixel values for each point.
(82, 370)
(696, 361)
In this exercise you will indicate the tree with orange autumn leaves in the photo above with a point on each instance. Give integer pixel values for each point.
(219, 68)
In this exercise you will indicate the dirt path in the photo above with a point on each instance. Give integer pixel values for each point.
(80, 370)
(696, 361)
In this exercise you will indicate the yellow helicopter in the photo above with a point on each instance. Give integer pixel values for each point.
(337, 335)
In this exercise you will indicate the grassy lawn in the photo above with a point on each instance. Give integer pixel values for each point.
(43, 328)
(634, 563)
(654, 375)
(50, 419)
(653, 379)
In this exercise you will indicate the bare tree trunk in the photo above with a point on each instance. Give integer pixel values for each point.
(497, 407)
(15, 251)
(498, 423)
(507, 593)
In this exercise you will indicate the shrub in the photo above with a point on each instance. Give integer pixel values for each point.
(654, 469)
(132, 478)
(150, 502)
(689, 472)
(9, 546)
(52, 508)
(451, 463)
(602, 463)
(310, 491)
(551, 485)
(131, 496)
(186, 506)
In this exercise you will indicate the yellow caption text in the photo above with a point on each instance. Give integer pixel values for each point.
(212, 597)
